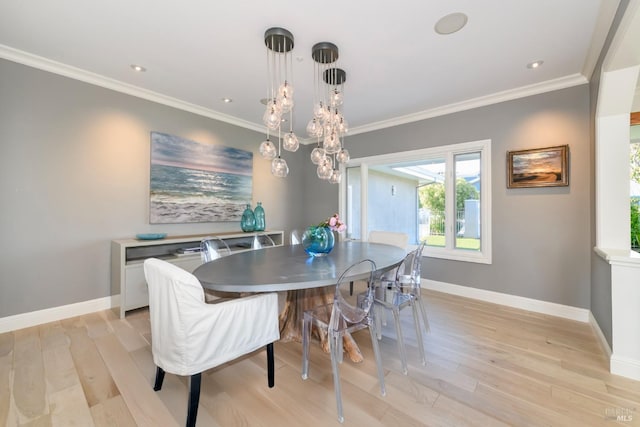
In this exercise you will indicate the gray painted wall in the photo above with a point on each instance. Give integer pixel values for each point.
(541, 236)
(74, 174)
(74, 165)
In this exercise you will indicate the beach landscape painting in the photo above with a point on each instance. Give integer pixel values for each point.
(196, 182)
(540, 167)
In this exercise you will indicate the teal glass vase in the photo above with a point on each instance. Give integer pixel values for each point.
(258, 213)
(318, 241)
(248, 221)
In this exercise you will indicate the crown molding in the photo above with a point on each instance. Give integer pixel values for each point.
(65, 70)
(59, 68)
(482, 101)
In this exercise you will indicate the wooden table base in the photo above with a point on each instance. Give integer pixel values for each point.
(292, 314)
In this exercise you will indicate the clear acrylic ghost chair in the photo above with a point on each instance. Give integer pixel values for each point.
(403, 291)
(262, 241)
(340, 318)
(393, 238)
(295, 237)
(189, 336)
(212, 248)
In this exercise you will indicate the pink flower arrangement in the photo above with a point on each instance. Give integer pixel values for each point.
(334, 224)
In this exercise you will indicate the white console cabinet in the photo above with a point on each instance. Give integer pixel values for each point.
(128, 285)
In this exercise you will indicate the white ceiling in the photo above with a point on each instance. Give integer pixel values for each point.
(398, 69)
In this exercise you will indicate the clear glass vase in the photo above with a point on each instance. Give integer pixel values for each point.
(318, 241)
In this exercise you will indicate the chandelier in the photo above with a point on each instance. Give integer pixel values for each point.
(327, 124)
(279, 101)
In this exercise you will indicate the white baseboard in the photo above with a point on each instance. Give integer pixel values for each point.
(625, 367)
(603, 341)
(537, 306)
(26, 320)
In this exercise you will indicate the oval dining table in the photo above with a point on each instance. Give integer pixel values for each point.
(309, 281)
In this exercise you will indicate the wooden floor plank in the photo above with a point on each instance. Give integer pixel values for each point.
(5, 386)
(487, 365)
(60, 370)
(29, 387)
(95, 378)
(112, 413)
(145, 407)
(69, 408)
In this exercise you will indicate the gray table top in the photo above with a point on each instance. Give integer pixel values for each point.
(285, 268)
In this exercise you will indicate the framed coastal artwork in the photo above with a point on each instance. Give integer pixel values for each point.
(540, 167)
(195, 182)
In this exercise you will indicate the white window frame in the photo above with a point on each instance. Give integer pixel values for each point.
(448, 152)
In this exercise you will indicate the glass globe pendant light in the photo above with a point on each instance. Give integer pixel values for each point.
(317, 155)
(325, 169)
(272, 115)
(343, 156)
(290, 141)
(335, 177)
(267, 149)
(279, 167)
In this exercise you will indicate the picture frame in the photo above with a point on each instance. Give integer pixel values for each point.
(192, 181)
(538, 167)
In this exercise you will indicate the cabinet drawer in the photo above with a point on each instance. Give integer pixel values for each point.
(136, 293)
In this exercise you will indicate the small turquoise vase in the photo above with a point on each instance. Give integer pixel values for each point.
(318, 241)
(248, 221)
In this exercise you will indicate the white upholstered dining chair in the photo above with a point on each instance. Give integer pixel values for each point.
(189, 336)
(393, 238)
(400, 240)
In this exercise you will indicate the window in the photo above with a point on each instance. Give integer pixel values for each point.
(439, 195)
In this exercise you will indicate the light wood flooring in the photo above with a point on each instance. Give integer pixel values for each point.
(488, 365)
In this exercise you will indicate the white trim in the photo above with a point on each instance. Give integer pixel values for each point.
(601, 338)
(621, 257)
(625, 367)
(482, 101)
(529, 304)
(62, 69)
(59, 68)
(26, 320)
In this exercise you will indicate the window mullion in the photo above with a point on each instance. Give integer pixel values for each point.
(450, 201)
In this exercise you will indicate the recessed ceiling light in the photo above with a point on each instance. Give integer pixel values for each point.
(535, 64)
(138, 68)
(451, 23)
(227, 100)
